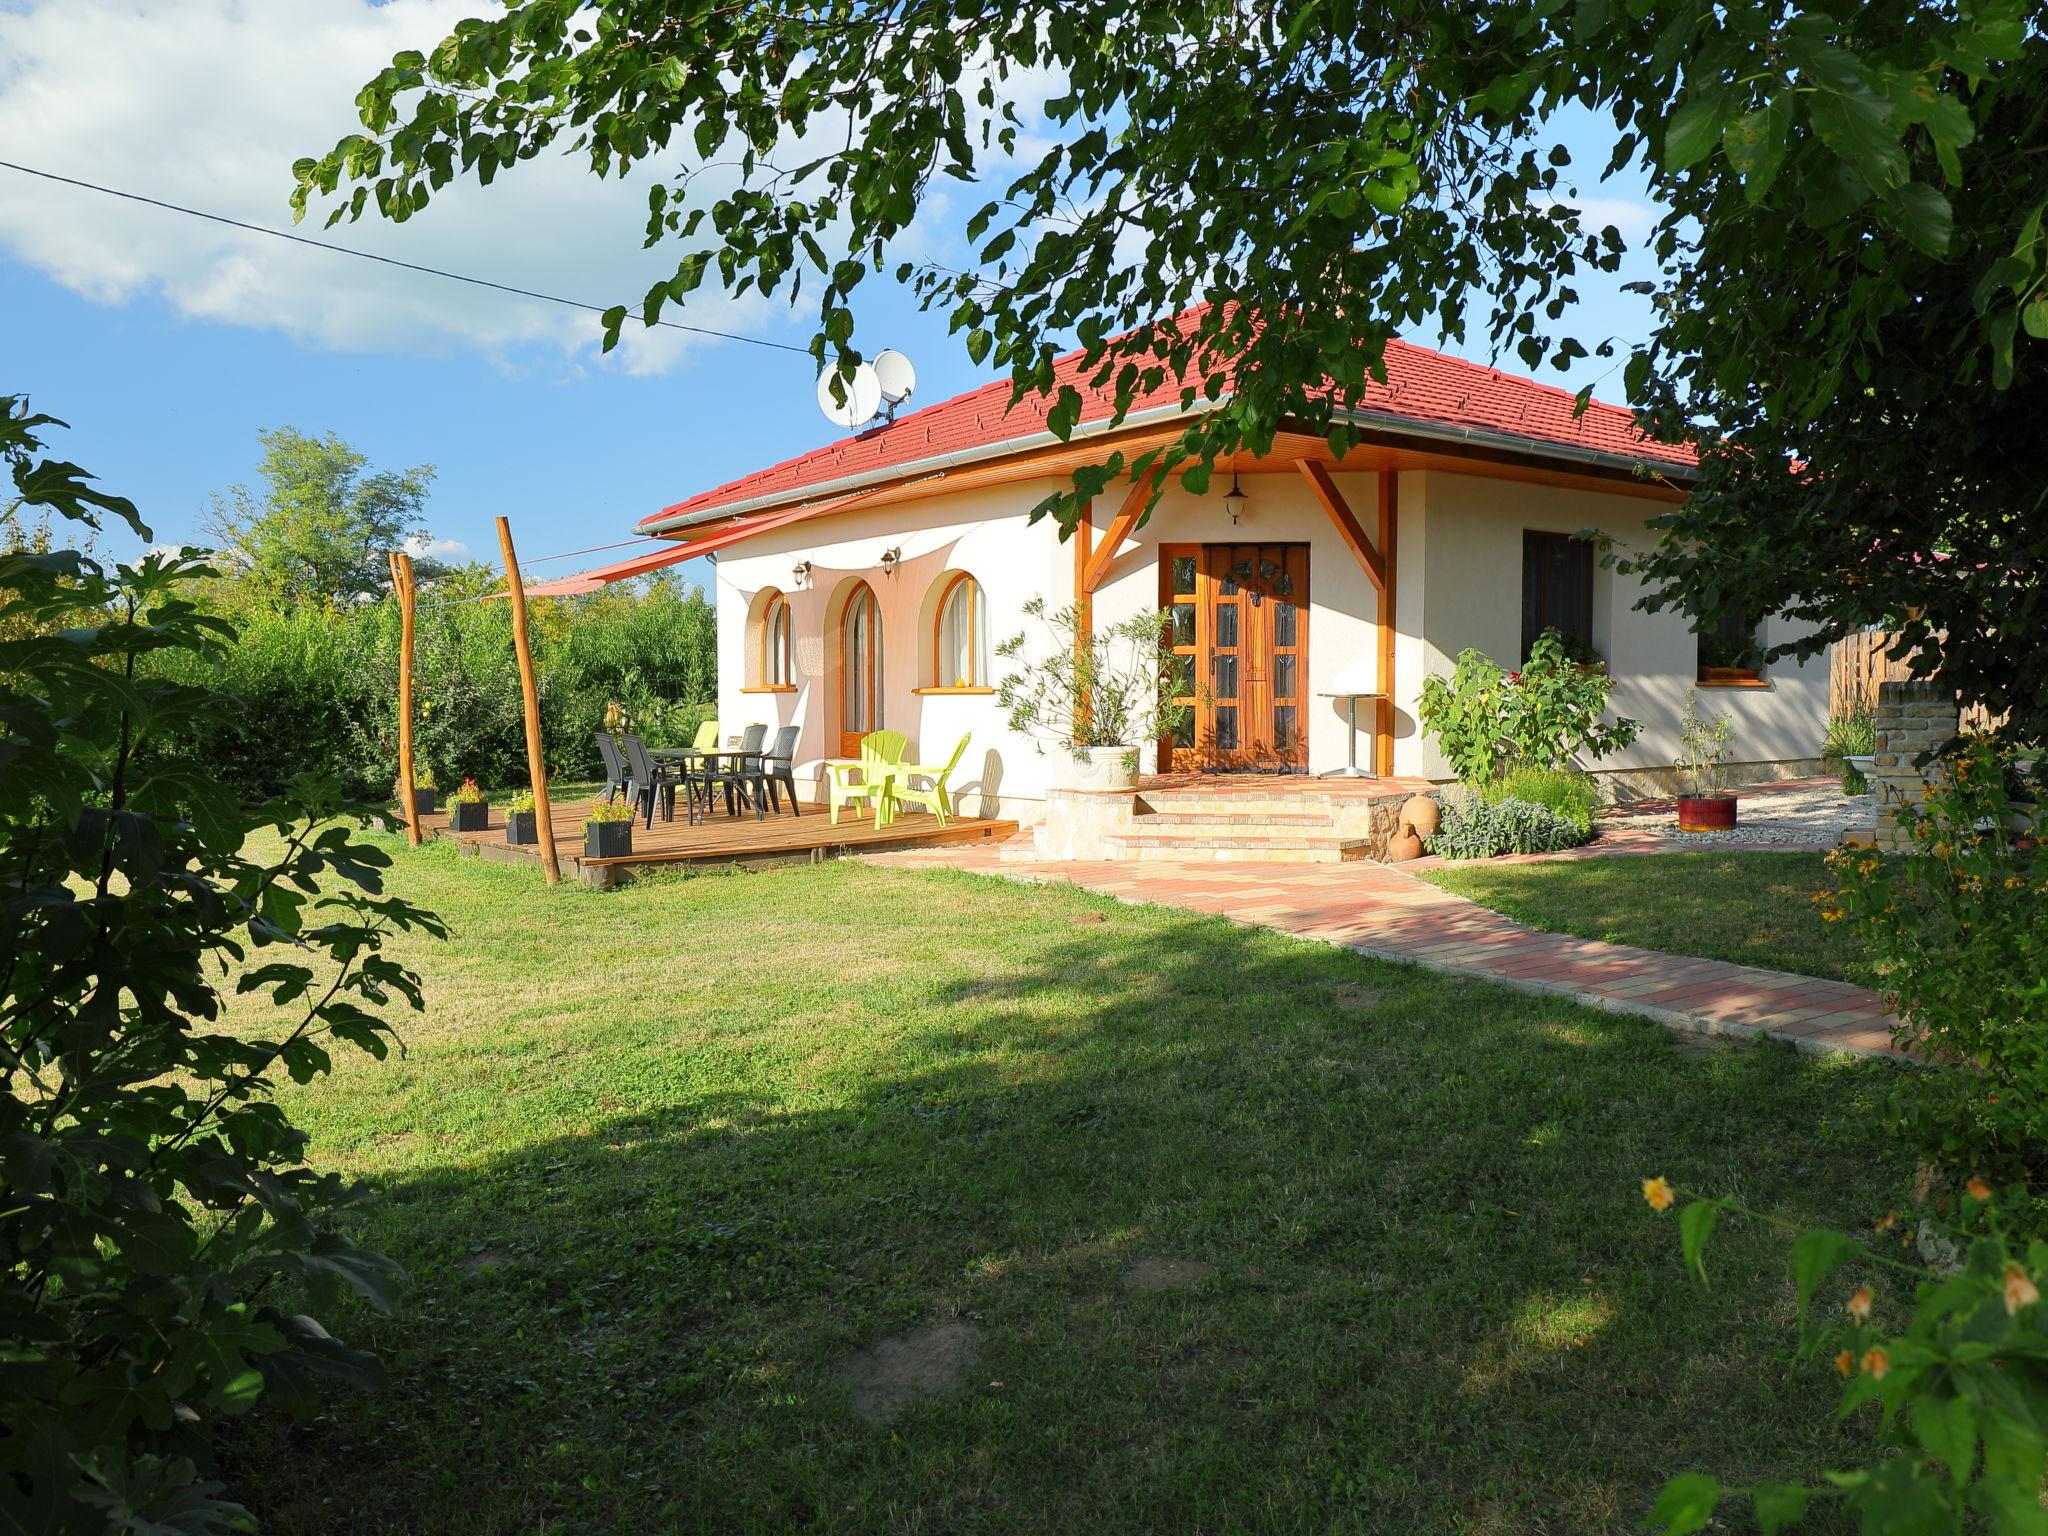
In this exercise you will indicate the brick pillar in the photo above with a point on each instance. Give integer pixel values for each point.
(1912, 719)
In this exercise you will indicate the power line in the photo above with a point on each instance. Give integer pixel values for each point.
(389, 261)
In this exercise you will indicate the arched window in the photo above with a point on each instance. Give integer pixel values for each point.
(961, 650)
(860, 668)
(772, 663)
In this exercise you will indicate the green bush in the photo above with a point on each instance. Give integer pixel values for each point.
(164, 1244)
(1488, 720)
(1474, 828)
(1574, 796)
(1852, 733)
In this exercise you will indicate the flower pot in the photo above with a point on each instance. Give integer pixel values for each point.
(607, 839)
(1706, 813)
(1105, 767)
(468, 815)
(424, 801)
(522, 827)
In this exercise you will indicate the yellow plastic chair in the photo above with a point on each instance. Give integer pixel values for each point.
(707, 737)
(865, 780)
(932, 796)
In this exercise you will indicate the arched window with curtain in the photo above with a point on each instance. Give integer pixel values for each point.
(961, 651)
(860, 668)
(772, 663)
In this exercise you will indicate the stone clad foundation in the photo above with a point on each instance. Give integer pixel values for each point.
(1913, 719)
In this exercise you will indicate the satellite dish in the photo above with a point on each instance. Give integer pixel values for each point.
(894, 373)
(863, 397)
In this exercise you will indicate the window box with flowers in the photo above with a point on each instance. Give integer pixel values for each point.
(521, 824)
(467, 809)
(608, 830)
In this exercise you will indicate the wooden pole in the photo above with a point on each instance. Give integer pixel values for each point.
(401, 586)
(537, 768)
(1389, 532)
(1084, 603)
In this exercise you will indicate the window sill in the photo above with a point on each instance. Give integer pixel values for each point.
(954, 690)
(1732, 682)
(771, 688)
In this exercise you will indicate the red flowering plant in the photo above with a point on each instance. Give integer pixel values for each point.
(1956, 929)
(1960, 1392)
(469, 794)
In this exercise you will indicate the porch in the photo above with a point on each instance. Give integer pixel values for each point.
(721, 841)
(1228, 818)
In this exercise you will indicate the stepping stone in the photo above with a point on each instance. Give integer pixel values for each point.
(892, 1374)
(1155, 1274)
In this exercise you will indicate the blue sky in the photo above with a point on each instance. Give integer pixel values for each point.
(169, 343)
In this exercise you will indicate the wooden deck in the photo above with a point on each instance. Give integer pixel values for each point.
(722, 839)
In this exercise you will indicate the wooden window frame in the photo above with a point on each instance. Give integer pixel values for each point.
(769, 678)
(975, 683)
(1705, 676)
(861, 591)
(1544, 537)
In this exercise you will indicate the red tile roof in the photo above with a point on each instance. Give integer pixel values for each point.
(1423, 387)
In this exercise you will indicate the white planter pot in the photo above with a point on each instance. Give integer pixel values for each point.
(1105, 768)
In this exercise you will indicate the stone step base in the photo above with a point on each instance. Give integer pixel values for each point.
(1212, 851)
(1238, 804)
(1226, 820)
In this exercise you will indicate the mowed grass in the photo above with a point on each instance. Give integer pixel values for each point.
(1752, 908)
(660, 1160)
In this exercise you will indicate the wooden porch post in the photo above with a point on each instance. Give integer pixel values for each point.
(402, 589)
(1084, 600)
(537, 768)
(1389, 531)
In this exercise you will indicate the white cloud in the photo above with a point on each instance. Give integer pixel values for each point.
(448, 551)
(207, 102)
(1631, 217)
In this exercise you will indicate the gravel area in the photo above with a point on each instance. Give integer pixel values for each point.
(1805, 817)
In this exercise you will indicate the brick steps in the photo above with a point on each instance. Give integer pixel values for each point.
(1240, 826)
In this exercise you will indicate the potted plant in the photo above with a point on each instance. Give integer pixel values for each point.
(521, 826)
(467, 810)
(1099, 697)
(424, 800)
(1703, 739)
(608, 830)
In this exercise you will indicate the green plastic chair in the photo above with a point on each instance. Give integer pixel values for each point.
(707, 736)
(865, 780)
(933, 795)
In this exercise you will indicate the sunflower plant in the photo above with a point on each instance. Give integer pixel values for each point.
(1960, 1390)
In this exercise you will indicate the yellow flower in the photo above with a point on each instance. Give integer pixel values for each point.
(1659, 1193)
(2019, 1290)
(1876, 1362)
(1889, 1220)
(1845, 1362)
(1978, 1189)
(1858, 1307)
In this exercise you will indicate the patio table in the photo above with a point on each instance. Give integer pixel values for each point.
(707, 755)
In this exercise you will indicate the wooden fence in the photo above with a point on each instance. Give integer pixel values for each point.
(1856, 665)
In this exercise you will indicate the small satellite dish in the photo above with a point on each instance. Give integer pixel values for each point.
(863, 397)
(894, 373)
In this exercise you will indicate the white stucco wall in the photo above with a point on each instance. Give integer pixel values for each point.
(1459, 583)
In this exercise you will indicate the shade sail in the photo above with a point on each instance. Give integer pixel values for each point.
(717, 536)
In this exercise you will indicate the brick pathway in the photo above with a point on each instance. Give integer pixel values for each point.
(1377, 910)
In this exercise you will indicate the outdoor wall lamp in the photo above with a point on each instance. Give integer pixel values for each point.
(802, 574)
(1234, 500)
(889, 559)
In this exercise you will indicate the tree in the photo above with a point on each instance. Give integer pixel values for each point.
(322, 528)
(164, 1245)
(1853, 275)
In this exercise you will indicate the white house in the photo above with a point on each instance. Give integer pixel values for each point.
(868, 583)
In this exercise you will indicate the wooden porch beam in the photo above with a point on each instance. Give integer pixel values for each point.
(1361, 547)
(1389, 531)
(1084, 601)
(1119, 529)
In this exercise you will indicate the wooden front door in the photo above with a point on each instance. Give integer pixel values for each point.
(860, 669)
(1239, 638)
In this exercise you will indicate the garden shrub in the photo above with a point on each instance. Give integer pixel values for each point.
(1574, 796)
(1488, 720)
(1475, 828)
(163, 1244)
(1957, 929)
(1851, 733)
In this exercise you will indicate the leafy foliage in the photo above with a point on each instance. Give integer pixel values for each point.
(1703, 738)
(1110, 688)
(320, 528)
(1852, 732)
(1959, 1388)
(1955, 929)
(1473, 828)
(1574, 796)
(1489, 721)
(1852, 274)
(158, 1224)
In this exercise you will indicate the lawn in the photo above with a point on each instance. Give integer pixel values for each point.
(665, 1162)
(1753, 908)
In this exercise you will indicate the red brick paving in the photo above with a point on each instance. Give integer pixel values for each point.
(1382, 911)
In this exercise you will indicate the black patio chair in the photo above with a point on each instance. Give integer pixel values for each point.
(618, 780)
(652, 781)
(778, 768)
(738, 772)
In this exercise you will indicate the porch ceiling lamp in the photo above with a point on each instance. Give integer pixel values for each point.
(1356, 681)
(1234, 499)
